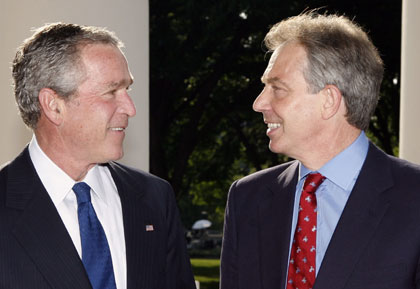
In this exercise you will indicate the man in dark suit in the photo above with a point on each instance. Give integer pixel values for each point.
(321, 89)
(71, 217)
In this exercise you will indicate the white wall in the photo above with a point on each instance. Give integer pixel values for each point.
(410, 82)
(127, 18)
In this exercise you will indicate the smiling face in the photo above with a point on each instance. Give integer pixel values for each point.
(292, 114)
(95, 118)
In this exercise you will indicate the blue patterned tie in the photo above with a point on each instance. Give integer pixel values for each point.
(96, 256)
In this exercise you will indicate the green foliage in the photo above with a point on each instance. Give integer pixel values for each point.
(206, 271)
(206, 60)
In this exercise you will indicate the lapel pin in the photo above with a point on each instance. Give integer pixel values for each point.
(149, 228)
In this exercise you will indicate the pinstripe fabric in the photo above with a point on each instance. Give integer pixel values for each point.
(37, 252)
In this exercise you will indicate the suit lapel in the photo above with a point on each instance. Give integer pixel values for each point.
(136, 215)
(275, 219)
(361, 216)
(39, 228)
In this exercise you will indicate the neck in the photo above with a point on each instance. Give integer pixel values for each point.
(329, 146)
(58, 154)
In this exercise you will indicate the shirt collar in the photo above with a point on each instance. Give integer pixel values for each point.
(344, 167)
(57, 183)
(94, 180)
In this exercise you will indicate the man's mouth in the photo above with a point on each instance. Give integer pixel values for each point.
(272, 125)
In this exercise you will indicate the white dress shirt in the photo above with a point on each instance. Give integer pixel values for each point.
(105, 200)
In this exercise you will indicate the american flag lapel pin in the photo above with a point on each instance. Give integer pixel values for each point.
(149, 228)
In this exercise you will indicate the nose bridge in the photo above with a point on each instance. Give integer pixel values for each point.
(127, 105)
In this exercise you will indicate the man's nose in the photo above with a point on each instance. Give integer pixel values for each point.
(127, 104)
(261, 103)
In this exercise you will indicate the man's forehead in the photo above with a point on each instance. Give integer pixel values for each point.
(292, 57)
(265, 77)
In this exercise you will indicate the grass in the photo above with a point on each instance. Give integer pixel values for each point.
(206, 271)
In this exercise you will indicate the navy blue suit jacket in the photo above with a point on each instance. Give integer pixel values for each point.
(376, 244)
(37, 252)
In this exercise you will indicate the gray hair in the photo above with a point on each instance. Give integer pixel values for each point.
(339, 53)
(50, 58)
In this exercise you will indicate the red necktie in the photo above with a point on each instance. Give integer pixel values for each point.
(302, 256)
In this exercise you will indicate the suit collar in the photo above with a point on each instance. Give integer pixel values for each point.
(275, 218)
(137, 213)
(127, 186)
(20, 179)
(39, 229)
(362, 214)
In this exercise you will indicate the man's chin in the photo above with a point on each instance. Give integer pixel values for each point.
(120, 156)
(272, 147)
(115, 156)
(275, 148)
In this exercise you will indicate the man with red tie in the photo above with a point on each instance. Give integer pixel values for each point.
(343, 214)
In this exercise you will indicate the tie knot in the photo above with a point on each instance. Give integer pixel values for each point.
(312, 182)
(82, 191)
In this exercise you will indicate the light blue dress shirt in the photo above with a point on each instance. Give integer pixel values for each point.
(341, 173)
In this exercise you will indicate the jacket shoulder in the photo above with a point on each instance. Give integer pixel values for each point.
(405, 165)
(405, 171)
(135, 174)
(267, 175)
(401, 169)
(139, 180)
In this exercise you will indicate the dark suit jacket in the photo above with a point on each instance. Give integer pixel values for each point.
(37, 252)
(376, 244)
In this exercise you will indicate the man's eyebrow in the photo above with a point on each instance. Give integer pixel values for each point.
(272, 80)
(127, 82)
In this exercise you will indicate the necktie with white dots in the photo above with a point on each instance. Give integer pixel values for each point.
(301, 272)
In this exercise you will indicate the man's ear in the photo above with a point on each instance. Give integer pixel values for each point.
(51, 105)
(332, 100)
